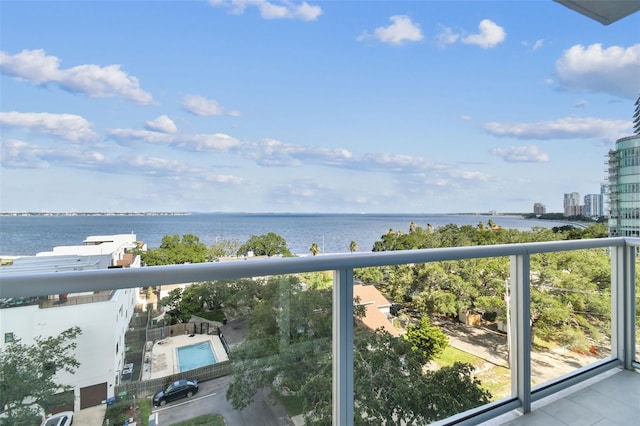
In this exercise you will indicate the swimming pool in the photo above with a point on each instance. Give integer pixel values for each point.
(195, 356)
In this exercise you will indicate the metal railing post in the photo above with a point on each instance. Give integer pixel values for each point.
(343, 347)
(520, 350)
(622, 304)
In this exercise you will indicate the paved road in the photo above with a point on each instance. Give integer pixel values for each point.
(211, 398)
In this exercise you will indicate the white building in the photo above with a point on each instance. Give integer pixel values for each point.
(572, 205)
(592, 206)
(100, 348)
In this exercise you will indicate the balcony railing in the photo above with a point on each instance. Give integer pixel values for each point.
(622, 252)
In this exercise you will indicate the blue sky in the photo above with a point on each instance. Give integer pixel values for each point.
(330, 106)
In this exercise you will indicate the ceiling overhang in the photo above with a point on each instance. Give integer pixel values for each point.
(603, 11)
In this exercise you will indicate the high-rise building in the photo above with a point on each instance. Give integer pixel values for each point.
(539, 208)
(592, 203)
(572, 205)
(624, 183)
(604, 193)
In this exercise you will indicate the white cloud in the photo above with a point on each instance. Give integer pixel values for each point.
(274, 153)
(613, 70)
(564, 128)
(306, 12)
(446, 36)
(537, 45)
(521, 154)
(206, 142)
(272, 10)
(475, 176)
(161, 124)
(491, 34)
(18, 154)
(199, 105)
(581, 104)
(401, 30)
(70, 127)
(127, 137)
(184, 141)
(92, 80)
(465, 117)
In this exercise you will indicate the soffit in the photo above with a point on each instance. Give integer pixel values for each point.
(603, 11)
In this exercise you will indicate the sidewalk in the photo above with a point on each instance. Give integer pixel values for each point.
(92, 416)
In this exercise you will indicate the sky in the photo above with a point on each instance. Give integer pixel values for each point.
(309, 107)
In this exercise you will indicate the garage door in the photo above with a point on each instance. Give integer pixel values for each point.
(93, 395)
(69, 406)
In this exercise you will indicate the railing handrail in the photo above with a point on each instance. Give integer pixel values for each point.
(20, 284)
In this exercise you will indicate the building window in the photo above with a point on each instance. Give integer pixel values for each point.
(8, 337)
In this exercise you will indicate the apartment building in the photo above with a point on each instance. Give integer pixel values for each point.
(572, 206)
(101, 346)
(539, 208)
(624, 187)
(592, 206)
(624, 183)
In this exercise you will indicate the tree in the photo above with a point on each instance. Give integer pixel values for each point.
(426, 338)
(172, 303)
(314, 249)
(28, 375)
(289, 348)
(222, 248)
(175, 250)
(270, 244)
(373, 275)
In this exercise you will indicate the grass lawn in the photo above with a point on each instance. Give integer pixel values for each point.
(145, 410)
(216, 315)
(452, 355)
(293, 404)
(496, 380)
(206, 420)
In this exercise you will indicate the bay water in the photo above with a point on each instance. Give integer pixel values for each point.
(333, 233)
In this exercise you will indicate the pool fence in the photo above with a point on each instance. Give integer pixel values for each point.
(146, 388)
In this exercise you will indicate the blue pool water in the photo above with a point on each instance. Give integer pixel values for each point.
(195, 356)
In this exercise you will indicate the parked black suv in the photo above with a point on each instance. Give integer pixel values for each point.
(179, 389)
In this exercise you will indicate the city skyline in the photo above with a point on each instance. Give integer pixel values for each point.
(345, 107)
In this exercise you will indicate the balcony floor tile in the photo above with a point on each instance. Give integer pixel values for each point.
(612, 401)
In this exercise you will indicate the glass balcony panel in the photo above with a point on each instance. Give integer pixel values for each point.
(637, 305)
(279, 327)
(570, 312)
(431, 339)
(284, 360)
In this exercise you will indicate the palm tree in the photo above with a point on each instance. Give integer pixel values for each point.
(314, 249)
(353, 247)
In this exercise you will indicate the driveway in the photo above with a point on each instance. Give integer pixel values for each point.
(492, 346)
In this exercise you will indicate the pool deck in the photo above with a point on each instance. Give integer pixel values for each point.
(163, 354)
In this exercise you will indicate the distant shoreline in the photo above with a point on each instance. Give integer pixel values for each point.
(95, 214)
(247, 213)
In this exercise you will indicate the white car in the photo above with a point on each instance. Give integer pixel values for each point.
(64, 418)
